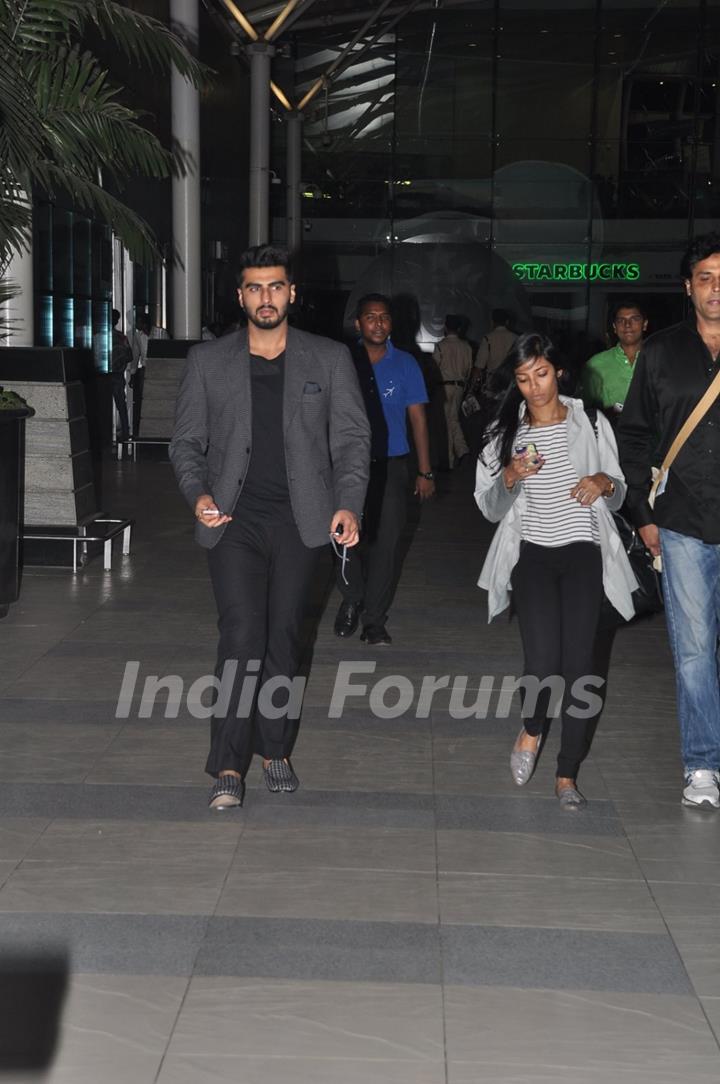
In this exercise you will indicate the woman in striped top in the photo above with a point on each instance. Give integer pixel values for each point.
(552, 483)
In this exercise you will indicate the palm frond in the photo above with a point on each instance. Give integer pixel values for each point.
(20, 137)
(8, 290)
(15, 220)
(131, 228)
(36, 25)
(145, 40)
(84, 125)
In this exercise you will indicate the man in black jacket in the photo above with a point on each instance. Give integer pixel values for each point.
(673, 372)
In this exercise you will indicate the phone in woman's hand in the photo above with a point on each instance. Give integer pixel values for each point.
(529, 451)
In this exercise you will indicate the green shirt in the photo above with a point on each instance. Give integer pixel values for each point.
(606, 378)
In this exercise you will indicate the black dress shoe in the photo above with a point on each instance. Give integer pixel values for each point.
(375, 634)
(279, 776)
(347, 618)
(228, 792)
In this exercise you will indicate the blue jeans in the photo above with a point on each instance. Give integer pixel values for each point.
(691, 585)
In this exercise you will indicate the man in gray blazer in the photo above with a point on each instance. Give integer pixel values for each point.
(271, 451)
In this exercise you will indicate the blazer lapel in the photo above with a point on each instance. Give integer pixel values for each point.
(297, 371)
(237, 373)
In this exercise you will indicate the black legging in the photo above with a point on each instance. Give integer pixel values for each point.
(557, 591)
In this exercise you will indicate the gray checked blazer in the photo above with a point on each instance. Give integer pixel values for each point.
(327, 436)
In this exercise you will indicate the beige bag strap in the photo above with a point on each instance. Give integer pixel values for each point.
(691, 423)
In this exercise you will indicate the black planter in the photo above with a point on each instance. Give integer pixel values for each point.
(12, 472)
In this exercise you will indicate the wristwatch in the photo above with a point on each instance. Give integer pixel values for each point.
(426, 474)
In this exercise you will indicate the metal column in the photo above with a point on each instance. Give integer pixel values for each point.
(186, 273)
(294, 180)
(260, 54)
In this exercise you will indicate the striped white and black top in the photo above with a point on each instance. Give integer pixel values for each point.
(551, 516)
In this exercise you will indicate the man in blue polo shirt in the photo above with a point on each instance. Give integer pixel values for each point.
(394, 393)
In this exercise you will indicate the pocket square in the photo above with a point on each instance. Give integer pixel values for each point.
(311, 388)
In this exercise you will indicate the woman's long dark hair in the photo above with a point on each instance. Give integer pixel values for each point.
(504, 422)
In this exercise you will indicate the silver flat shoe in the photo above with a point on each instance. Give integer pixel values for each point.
(570, 799)
(522, 764)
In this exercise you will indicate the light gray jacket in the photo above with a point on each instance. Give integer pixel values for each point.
(326, 431)
(588, 455)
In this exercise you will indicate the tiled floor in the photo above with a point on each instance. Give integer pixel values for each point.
(409, 916)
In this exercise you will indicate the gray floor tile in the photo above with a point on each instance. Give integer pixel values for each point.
(348, 894)
(562, 959)
(548, 902)
(31, 711)
(362, 1021)
(535, 853)
(107, 841)
(146, 754)
(18, 835)
(524, 1036)
(311, 847)
(523, 813)
(691, 914)
(328, 951)
(45, 753)
(711, 1008)
(96, 802)
(142, 886)
(110, 943)
(270, 1070)
(340, 808)
(115, 1028)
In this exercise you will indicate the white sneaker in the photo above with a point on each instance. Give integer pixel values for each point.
(702, 788)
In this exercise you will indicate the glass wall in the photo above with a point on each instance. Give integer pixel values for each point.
(73, 274)
(544, 159)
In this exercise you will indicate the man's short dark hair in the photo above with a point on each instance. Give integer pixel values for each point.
(265, 256)
(628, 303)
(700, 248)
(115, 317)
(453, 322)
(500, 317)
(371, 299)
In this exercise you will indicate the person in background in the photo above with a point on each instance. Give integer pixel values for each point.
(145, 330)
(675, 369)
(394, 393)
(552, 482)
(453, 359)
(495, 346)
(121, 357)
(607, 375)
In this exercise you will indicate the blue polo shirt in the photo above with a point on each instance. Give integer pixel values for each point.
(400, 384)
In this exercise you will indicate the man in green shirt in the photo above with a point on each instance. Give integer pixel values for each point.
(606, 377)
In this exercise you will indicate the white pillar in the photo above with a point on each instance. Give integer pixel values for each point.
(294, 180)
(260, 54)
(185, 111)
(18, 314)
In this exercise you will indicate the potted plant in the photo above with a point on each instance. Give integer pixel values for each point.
(13, 412)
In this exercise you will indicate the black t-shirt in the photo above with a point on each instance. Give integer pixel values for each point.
(266, 479)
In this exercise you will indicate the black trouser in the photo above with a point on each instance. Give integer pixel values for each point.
(557, 593)
(261, 573)
(138, 384)
(118, 390)
(371, 568)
